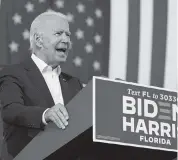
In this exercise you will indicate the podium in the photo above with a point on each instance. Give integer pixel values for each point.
(75, 142)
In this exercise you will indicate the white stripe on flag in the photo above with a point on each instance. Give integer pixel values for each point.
(118, 39)
(170, 81)
(145, 50)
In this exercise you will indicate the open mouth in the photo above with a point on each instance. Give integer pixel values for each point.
(61, 50)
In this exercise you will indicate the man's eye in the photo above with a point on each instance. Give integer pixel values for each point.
(58, 33)
(68, 34)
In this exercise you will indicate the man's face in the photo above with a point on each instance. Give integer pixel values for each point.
(55, 40)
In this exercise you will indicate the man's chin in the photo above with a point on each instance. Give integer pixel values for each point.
(62, 59)
(62, 56)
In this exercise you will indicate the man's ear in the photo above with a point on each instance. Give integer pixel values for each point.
(38, 40)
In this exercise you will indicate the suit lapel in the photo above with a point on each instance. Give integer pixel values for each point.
(38, 81)
(64, 88)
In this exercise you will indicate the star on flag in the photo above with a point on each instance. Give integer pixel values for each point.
(70, 17)
(29, 7)
(96, 66)
(89, 21)
(59, 4)
(97, 38)
(98, 13)
(88, 48)
(26, 34)
(80, 8)
(13, 46)
(79, 34)
(17, 19)
(77, 61)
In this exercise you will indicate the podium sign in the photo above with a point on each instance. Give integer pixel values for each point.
(134, 115)
(52, 139)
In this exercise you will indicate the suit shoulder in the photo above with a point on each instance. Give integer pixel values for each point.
(11, 69)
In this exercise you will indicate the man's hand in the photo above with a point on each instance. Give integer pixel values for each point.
(57, 114)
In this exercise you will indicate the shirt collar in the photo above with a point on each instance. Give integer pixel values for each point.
(43, 67)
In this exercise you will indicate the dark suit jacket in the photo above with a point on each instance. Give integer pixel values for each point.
(24, 96)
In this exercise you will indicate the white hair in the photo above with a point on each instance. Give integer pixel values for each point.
(36, 24)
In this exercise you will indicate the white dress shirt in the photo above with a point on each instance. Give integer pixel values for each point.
(51, 77)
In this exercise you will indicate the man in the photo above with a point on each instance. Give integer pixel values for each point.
(35, 92)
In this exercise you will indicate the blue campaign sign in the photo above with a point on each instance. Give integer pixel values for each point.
(130, 114)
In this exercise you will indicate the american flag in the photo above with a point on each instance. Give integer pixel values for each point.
(145, 31)
(134, 40)
(88, 26)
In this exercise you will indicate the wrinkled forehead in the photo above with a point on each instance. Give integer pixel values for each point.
(51, 23)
